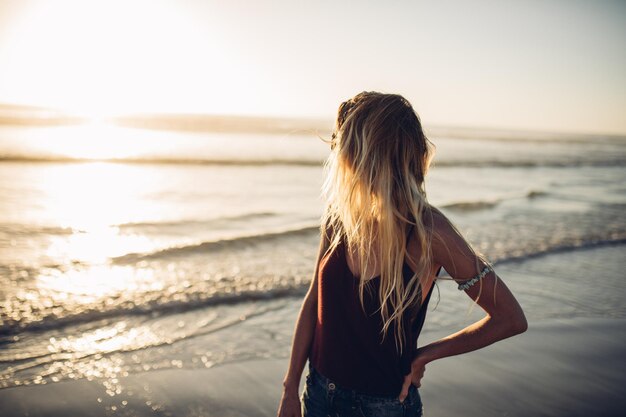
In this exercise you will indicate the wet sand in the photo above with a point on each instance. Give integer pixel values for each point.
(567, 367)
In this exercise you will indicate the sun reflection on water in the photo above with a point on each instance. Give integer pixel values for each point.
(94, 140)
(92, 196)
(116, 338)
(83, 286)
(96, 245)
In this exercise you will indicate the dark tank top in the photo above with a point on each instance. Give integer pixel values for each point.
(346, 345)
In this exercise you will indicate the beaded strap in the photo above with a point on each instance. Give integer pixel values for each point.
(467, 284)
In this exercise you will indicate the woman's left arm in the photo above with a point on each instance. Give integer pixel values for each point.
(504, 318)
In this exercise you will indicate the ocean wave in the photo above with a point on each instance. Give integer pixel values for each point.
(461, 163)
(523, 136)
(489, 204)
(165, 160)
(194, 298)
(535, 193)
(186, 223)
(215, 245)
(190, 302)
(530, 163)
(565, 247)
(471, 205)
(30, 229)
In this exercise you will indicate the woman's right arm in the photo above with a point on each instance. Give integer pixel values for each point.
(302, 339)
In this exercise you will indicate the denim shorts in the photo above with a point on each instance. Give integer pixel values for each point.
(324, 398)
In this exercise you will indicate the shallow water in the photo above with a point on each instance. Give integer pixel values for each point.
(108, 268)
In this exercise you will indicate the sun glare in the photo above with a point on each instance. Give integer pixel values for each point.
(95, 140)
(100, 59)
(93, 197)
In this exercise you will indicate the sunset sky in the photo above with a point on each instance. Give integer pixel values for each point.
(555, 65)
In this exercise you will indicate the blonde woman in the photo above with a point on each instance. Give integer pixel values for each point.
(382, 248)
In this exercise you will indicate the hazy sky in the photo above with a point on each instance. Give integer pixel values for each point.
(539, 65)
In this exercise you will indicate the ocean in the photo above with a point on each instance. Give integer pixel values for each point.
(190, 250)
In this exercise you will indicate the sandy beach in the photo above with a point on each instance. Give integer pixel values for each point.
(558, 368)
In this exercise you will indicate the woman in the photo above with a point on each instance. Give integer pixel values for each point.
(381, 250)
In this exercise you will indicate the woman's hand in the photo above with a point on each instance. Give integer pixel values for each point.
(290, 404)
(418, 367)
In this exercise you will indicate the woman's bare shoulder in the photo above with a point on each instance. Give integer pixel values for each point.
(437, 223)
(444, 234)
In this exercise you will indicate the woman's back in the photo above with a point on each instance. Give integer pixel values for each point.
(347, 344)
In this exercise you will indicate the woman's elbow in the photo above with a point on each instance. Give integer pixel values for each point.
(511, 325)
(519, 324)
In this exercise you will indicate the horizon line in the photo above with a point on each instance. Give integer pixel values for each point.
(45, 116)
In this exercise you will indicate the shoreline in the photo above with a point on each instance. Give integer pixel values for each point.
(559, 367)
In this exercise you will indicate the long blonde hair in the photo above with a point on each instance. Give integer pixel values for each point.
(374, 192)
